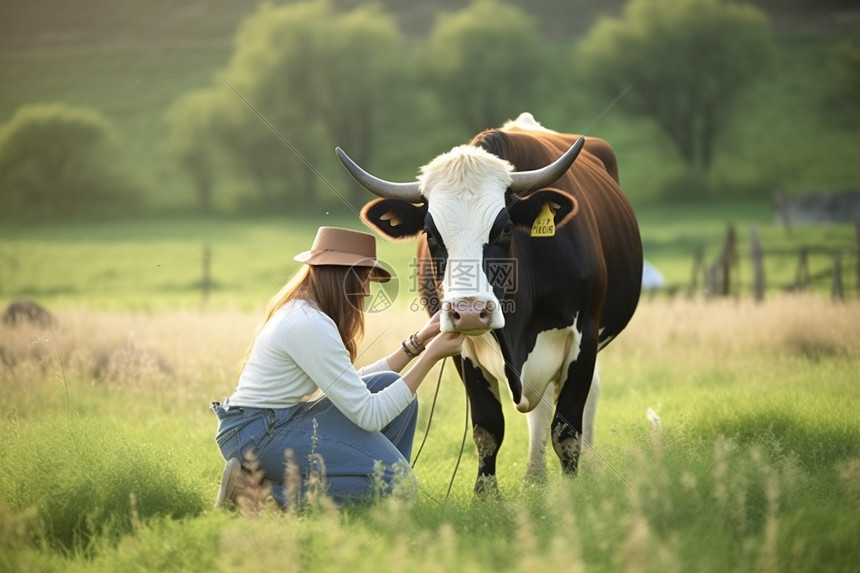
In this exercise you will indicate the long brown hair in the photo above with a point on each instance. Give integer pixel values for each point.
(338, 291)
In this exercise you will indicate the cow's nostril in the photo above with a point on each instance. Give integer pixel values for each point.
(455, 315)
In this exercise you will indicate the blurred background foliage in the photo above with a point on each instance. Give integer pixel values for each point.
(234, 107)
(714, 50)
(57, 159)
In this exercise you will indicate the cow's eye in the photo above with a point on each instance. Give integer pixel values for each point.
(503, 235)
(434, 243)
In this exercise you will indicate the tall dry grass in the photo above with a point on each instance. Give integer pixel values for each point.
(790, 326)
(172, 355)
(749, 460)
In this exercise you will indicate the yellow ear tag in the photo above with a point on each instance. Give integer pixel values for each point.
(544, 225)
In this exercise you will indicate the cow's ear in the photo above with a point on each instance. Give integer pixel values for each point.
(394, 218)
(537, 210)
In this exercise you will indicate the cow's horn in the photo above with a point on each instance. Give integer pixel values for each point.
(380, 187)
(524, 181)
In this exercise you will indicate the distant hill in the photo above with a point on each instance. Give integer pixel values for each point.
(131, 59)
(28, 23)
(68, 23)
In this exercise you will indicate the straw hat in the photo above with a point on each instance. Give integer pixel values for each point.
(346, 248)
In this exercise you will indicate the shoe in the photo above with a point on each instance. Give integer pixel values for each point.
(229, 484)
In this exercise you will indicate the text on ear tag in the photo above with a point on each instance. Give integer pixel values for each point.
(544, 225)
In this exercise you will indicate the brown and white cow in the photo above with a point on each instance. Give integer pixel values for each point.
(537, 258)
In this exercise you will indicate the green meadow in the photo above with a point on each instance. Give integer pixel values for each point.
(751, 463)
(110, 461)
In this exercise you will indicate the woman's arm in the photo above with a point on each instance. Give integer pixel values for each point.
(314, 343)
(444, 345)
(398, 359)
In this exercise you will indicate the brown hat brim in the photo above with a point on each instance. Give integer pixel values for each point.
(340, 259)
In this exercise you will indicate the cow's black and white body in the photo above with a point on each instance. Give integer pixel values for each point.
(510, 203)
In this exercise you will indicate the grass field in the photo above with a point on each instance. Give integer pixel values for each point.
(754, 465)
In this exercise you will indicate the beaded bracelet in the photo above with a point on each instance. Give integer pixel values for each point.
(412, 346)
(416, 344)
(408, 352)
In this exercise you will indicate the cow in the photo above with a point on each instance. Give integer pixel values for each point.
(537, 259)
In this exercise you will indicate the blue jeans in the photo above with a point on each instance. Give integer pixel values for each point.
(348, 452)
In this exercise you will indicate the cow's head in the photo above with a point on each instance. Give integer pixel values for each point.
(468, 202)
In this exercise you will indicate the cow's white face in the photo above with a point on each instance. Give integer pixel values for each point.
(465, 191)
(469, 202)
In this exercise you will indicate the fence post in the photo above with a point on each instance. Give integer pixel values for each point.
(801, 276)
(698, 268)
(757, 263)
(837, 292)
(731, 258)
(719, 277)
(206, 279)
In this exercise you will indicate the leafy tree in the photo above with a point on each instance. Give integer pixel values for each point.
(845, 97)
(191, 143)
(56, 158)
(278, 68)
(316, 77)
(485, 63)
(363, 64)
(689, 59)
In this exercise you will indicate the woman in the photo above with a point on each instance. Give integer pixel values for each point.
(299, 393)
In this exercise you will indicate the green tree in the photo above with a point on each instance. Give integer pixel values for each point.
(363, 66)
(59, 159)
(844, 99)
(278, 67)
(191, 144)
(316, 77)
(486, 63)
(689, 59)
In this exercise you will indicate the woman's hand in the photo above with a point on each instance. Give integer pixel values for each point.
(446, 344)
(441, 346)
(429, 331)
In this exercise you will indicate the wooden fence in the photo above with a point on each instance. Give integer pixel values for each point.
(722, 277)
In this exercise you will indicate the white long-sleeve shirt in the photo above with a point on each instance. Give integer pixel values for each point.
(299, 351)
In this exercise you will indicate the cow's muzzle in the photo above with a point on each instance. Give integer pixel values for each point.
(471, 316)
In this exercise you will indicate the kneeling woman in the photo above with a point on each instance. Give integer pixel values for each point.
(299, 390)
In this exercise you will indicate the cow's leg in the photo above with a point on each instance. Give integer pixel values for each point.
(591, 408)
(488, 425)
(567, 425)
(539, 420)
